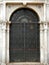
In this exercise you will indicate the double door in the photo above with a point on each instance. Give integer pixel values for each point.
(24, 42)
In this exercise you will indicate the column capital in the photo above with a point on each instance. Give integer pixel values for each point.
(8, 22)
(3, 22)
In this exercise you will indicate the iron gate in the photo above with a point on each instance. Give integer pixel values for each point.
(24, 36)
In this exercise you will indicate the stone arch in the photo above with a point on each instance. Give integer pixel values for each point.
(35, 13)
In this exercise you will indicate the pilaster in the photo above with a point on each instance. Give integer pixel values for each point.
(7, 40)
(41, 43)
(45, 42)
(3, 30)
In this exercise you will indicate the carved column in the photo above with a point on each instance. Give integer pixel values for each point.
(41, 43)
(0, 42)
(7, 40)
(3, 42)
(48, 44)
(45, 41)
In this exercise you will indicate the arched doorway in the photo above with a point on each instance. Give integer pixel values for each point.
(24, 43)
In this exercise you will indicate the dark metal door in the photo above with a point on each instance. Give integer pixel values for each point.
(24, 36)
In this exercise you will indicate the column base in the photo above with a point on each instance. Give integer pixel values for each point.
(3, 63)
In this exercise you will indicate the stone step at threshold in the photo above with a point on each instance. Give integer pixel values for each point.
(26, 64)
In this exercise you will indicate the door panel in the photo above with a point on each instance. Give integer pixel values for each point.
(31, 42)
